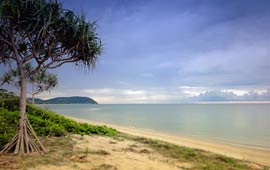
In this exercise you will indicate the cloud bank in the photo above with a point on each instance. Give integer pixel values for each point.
(218, 95)
(182, 94)
(177, 51)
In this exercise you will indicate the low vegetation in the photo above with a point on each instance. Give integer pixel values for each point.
(62, 151)
(44, 122)
(201, 160)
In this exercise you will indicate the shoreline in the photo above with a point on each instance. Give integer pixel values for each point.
(249, 153)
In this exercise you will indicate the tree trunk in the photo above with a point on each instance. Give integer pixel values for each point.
(25, 139)
(33, 93)
(22, 106)
(22, 121)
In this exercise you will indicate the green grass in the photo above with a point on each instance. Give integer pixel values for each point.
(201, 160)
(60, 151)
(67, 124)
(95, 152)
(44, 122)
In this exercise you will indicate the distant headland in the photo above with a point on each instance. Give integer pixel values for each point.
(66, 100)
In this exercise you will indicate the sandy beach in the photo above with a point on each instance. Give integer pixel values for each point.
(136, 149)
(253, 154)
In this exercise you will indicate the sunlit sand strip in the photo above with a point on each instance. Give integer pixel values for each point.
(253, 154)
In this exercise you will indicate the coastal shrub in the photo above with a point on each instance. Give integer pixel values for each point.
(5, 94)
(44, 127)
(44, 122)
(11, 104)
(69, 125)
(8, 125)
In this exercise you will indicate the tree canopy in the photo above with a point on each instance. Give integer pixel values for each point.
(44, 34)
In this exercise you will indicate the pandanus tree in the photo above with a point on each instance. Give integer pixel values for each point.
(41, 81)
(44, 34)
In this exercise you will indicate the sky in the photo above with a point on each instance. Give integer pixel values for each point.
(173, 51)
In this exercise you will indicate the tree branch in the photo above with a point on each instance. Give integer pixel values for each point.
(33, 54)
(58, 65)
(4, 40)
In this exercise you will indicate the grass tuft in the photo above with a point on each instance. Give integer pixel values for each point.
(201, 160)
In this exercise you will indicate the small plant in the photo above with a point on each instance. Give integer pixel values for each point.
(200, 159)
(44, 122)
(87, 151)
(100, 152)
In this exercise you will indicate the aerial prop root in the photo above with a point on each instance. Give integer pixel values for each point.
(25, 141)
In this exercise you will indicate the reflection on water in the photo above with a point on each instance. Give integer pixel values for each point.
(247, 124)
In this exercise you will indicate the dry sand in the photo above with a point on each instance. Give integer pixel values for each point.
(106, 153)
(253, 154)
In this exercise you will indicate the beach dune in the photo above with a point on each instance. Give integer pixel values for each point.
(253, 154)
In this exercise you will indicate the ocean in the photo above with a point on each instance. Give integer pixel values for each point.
(239, 124)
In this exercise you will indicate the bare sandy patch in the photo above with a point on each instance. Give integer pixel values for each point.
(104, 153)
(253, 154)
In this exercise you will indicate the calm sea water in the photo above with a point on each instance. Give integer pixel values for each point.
(245, 124)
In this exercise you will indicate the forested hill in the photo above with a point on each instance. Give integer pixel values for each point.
(66, 100)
